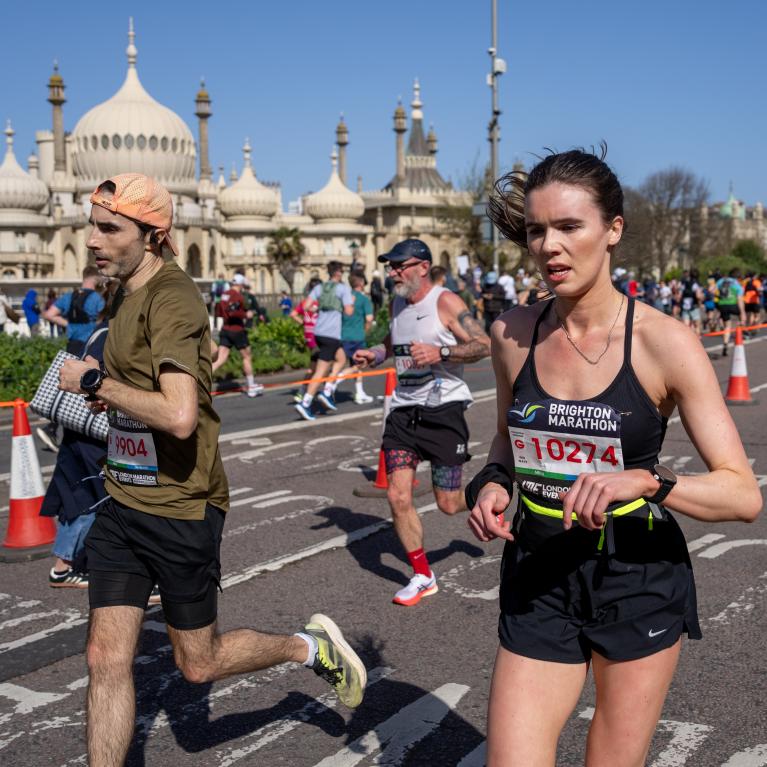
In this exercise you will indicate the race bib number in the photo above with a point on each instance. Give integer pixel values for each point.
(554, 442)
(131, 452)
(407, 372)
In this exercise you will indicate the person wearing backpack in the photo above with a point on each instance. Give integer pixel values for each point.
(730, 303)
(77, 312)
(333, 299)
(232, 308)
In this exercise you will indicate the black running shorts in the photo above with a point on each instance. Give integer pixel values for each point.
(436, 434)
(129, 551)
(327, 347)
(728, 312)
(564, 600)
(236, 338)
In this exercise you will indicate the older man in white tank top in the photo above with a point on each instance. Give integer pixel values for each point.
(432, 335)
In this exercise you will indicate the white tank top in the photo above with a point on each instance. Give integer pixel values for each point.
(430, 386)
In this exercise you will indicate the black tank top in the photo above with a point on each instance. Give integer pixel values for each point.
(555, 440)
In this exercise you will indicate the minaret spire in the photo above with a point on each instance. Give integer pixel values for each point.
(400, 126)
(131, 50)
(342, 140)
(203, 113)
(416, 103)
(9, 134)
(57, 100)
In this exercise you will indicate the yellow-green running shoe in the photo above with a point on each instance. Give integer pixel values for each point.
(336, 662)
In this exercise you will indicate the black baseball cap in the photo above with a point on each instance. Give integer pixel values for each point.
(406, 249)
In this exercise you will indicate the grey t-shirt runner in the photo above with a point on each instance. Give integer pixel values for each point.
(329, 322)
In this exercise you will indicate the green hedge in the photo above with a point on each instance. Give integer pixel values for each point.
(23, 362)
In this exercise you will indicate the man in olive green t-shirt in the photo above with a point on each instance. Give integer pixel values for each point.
(168, 491)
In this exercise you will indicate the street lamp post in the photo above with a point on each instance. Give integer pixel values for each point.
(497, 68)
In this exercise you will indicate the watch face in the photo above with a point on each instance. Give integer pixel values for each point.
(666, 475)
(90, 378)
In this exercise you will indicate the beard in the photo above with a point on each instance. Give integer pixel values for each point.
(407, 288)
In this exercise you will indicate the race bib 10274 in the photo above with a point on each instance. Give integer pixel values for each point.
(554, 441)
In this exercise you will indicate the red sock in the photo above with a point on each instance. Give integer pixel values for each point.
(419, 562)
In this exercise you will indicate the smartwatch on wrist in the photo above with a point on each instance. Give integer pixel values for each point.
(91, 380)
(667, 480)
(444, 352)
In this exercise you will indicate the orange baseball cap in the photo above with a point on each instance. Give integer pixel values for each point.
(142, 199)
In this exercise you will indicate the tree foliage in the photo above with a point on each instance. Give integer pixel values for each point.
(664, 220)
(286, 251)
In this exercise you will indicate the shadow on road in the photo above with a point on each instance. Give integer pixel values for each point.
(162, 693)
(370, 551)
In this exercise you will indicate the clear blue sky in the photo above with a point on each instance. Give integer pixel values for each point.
(671, 82)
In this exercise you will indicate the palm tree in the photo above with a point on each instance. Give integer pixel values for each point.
(286, 249)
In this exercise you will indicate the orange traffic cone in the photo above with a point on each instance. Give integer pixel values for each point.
(738, 392)
(28, 535)
(381, 485)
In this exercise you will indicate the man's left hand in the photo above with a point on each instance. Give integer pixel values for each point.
(424, 354)
(71, 372)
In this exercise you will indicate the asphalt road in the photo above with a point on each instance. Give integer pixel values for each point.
(298, 541)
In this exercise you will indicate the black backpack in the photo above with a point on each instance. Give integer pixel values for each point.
(77, 314)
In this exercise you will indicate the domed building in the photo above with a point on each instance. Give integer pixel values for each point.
(218, 227)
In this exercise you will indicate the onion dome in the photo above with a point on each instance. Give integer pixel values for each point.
(247, 197)
(335, 201)
(131, 132)
(18, 189)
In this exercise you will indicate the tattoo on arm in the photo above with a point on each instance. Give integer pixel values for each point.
(478, 345)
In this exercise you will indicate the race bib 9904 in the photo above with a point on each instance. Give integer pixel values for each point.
(555, 441)
(131, 452)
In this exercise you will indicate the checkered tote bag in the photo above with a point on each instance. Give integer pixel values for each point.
(66, 408)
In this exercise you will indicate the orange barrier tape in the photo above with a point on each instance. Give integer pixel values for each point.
(13, 403)
(289, 384)
(732, 330)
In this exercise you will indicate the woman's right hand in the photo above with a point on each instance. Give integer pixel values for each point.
(486, 519)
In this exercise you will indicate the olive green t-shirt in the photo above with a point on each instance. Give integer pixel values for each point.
(163, 322)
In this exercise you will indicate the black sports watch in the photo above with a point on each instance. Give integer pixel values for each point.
(91, 380)
(667, 480)
(444, 352)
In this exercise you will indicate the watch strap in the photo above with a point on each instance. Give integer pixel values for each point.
(664, 489)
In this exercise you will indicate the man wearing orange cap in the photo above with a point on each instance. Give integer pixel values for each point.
(168, 491)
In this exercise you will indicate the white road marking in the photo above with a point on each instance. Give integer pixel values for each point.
(686, 738)
(271, 521)
(339, 541)
(725, 546)
(11, 622)
(393, 739)
(742, 605)
(298, 425)
(750, 757)
(274, 730)
(27, 700)
(78, 684)
(449, 579)
(239, 491)
(703, 541)
(252, 498)
(73, 620)
(258, 452)
(320, 500)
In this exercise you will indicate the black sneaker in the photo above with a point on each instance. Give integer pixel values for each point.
(724, 350)
(67, 579)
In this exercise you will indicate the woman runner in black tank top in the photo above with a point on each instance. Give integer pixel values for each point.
(595, 571)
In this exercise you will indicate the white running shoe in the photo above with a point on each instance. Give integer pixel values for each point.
(420, 586)
(256, 390)
(362, 398)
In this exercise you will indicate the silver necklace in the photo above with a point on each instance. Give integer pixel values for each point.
(609, 336)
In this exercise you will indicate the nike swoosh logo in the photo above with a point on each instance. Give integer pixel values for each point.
(652, 633)
(422, 317)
